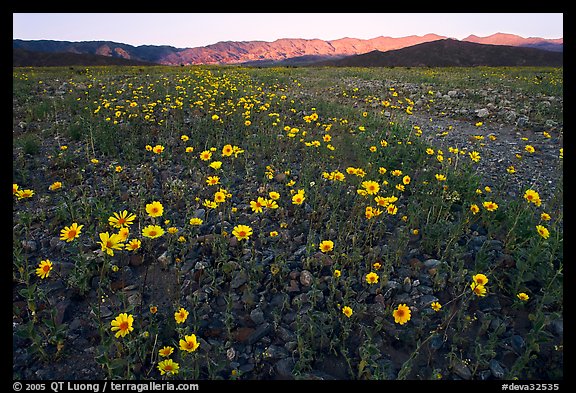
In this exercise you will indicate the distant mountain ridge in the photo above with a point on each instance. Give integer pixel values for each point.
(452, 53)
(238, 52)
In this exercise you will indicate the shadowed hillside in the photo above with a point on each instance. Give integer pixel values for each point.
(452, 53)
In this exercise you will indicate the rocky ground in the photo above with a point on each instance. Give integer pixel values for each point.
(264, 340)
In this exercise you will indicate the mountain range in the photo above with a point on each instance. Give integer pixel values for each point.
(284, 51)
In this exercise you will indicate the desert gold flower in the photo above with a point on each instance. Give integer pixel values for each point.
(545, 217)
(371, 187)
(436, 306)
(479, 290)
(181, 315)
(346, 310)
(490, 206)
(55, 186)
(122, 324)
(326, 245)
(184, 138)
(227, 151)
(376, 265)
(109, 243)
(511, 169)
(44, 268)
(189, 149)
(270, 204)
(396, 172)
(529, 148)
(213, 180)
(152, 231)
(215, 164)
(166, 351)
(206, 155)
(406, 180)
(257, 205)
(195, 221)
(543, 231)
(168, 367)
(401, 314)
(274, 195)
(154, 209)
(273, 233)
(532, 196)
(189, 343)
(440, 177)
(480, 279)
(15, 188)
(210, 204)
(133, 245)
(242, 232)
(153, 309)
(121, 219)
(522, 296)
(172, 230)
(298, 198)
(391, 209)
(382, 201)
(372, 278)
(474, 156)
(337, 273)
(21, 194)
(70, 233)
(219, 196)
(158, 149)
(474, 208)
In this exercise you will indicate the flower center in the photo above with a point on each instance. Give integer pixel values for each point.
(152, 233)
(71, 233)
(124, 326)
(242, 233)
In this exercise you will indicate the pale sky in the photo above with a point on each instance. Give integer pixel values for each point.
(189, 30)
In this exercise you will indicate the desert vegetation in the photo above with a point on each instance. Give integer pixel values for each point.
(287, 223)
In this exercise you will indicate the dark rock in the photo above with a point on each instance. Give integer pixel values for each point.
(430, 263)
(284, 368)
(489, 303)
(496, 369)
(260, 332)
(257, 316)
(518, 344)
(461, 370)
(240, 278)
(557, 327)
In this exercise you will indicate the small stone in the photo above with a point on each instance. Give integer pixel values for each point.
(306, 278)
(482, 112)
(260, 332)
(284, 368)
(238, 280)
(29, 245)
(136, 260)
(518, 343)
(257, 316)
(164, 259)
(496, 369)
(557, 327)
(462, 370)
